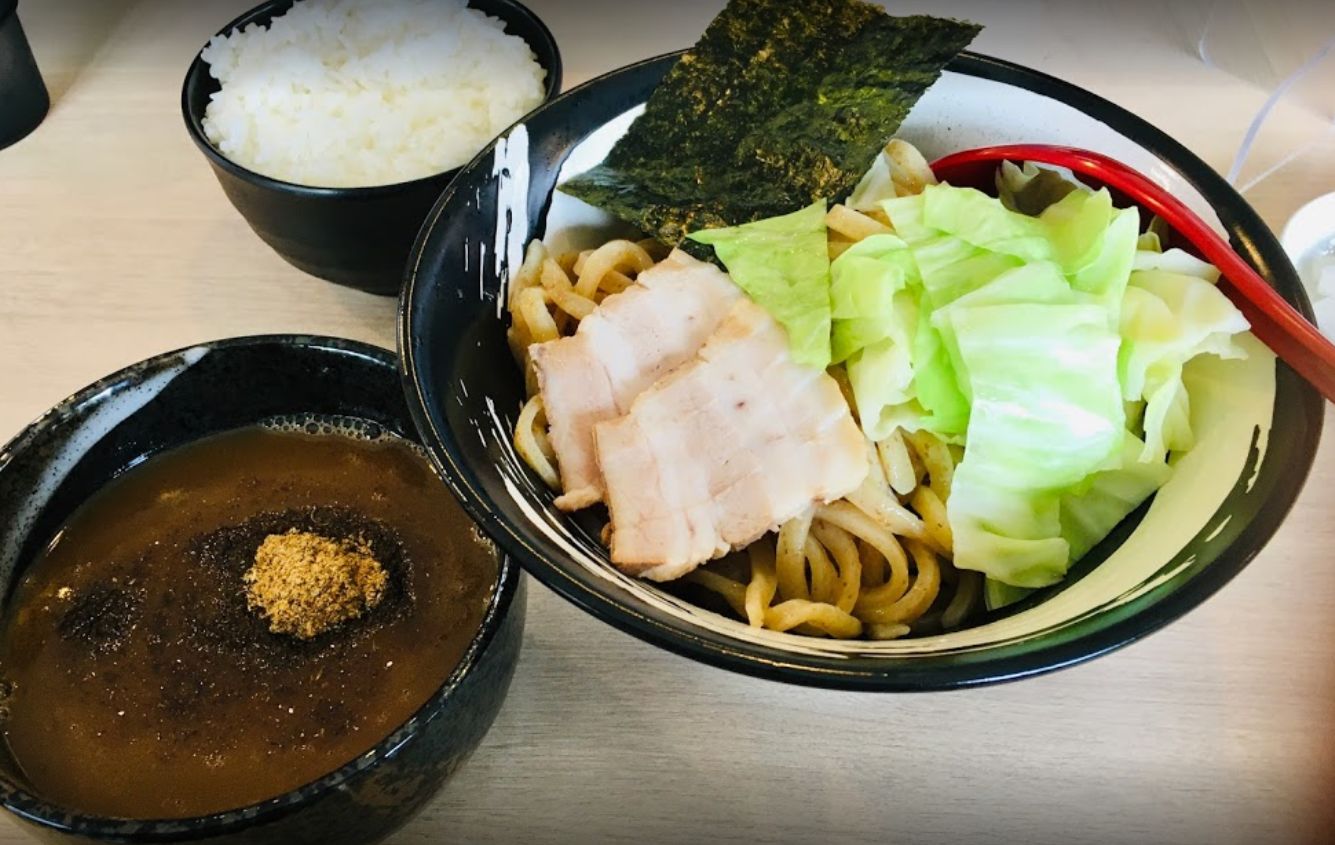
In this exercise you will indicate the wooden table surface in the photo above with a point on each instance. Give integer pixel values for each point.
(116, 243)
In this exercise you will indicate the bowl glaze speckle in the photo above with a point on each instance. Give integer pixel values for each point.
(56, 463)
(358, 237)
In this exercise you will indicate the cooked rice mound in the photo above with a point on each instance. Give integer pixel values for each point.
(348, 93)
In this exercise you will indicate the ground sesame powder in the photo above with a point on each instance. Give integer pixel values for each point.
(305, 584)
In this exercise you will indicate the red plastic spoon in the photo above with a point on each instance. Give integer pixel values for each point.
(1278, 325)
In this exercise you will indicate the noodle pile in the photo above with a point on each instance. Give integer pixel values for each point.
(874, 564)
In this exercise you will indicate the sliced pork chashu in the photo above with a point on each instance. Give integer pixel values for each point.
(726, 448)
(632, 340)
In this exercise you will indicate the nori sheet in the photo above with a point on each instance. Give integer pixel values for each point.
(781, 103)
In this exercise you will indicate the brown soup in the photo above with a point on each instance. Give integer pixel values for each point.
(141, 685)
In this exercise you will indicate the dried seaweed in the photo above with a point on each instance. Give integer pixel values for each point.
(781, 103)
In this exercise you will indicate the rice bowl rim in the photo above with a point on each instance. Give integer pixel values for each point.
(547, 53)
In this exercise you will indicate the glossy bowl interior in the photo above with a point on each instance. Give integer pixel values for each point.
(359, 237)
(1257, 424)
(56, 463)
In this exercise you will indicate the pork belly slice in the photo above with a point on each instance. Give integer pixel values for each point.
(726, 448)
(632, 340)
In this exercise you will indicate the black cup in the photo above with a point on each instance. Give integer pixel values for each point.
(359, 237)
(23, 97)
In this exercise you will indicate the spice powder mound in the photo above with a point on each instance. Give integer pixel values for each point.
(304, 584)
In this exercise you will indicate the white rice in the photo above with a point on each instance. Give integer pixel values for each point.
(347, 93)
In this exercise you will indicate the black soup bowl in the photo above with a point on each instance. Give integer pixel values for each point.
(358, 237)
(1257, 424)
(170, 400)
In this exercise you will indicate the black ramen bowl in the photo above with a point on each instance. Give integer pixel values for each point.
(359, 237)
(56, 463)
(1258, 427)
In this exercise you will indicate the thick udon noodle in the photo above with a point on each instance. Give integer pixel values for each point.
(874, 564)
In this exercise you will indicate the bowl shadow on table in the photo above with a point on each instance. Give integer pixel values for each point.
(615, 669)
(659, 715)
(255, 279)
(82, 29)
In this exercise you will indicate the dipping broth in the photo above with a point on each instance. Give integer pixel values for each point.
(129, 645)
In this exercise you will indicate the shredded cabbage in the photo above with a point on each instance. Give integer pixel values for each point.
(1092, 509)
(1171, 313)
(1047, 413)
(999, 594)
(1029, 189)
(874, 305)
(783, 263)
(1089, 511)
(1047, 343)
(1051, 343)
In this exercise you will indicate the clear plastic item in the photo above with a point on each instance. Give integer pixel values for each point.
(1288, 51)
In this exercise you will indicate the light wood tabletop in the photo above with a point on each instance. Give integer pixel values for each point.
(116, 243)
